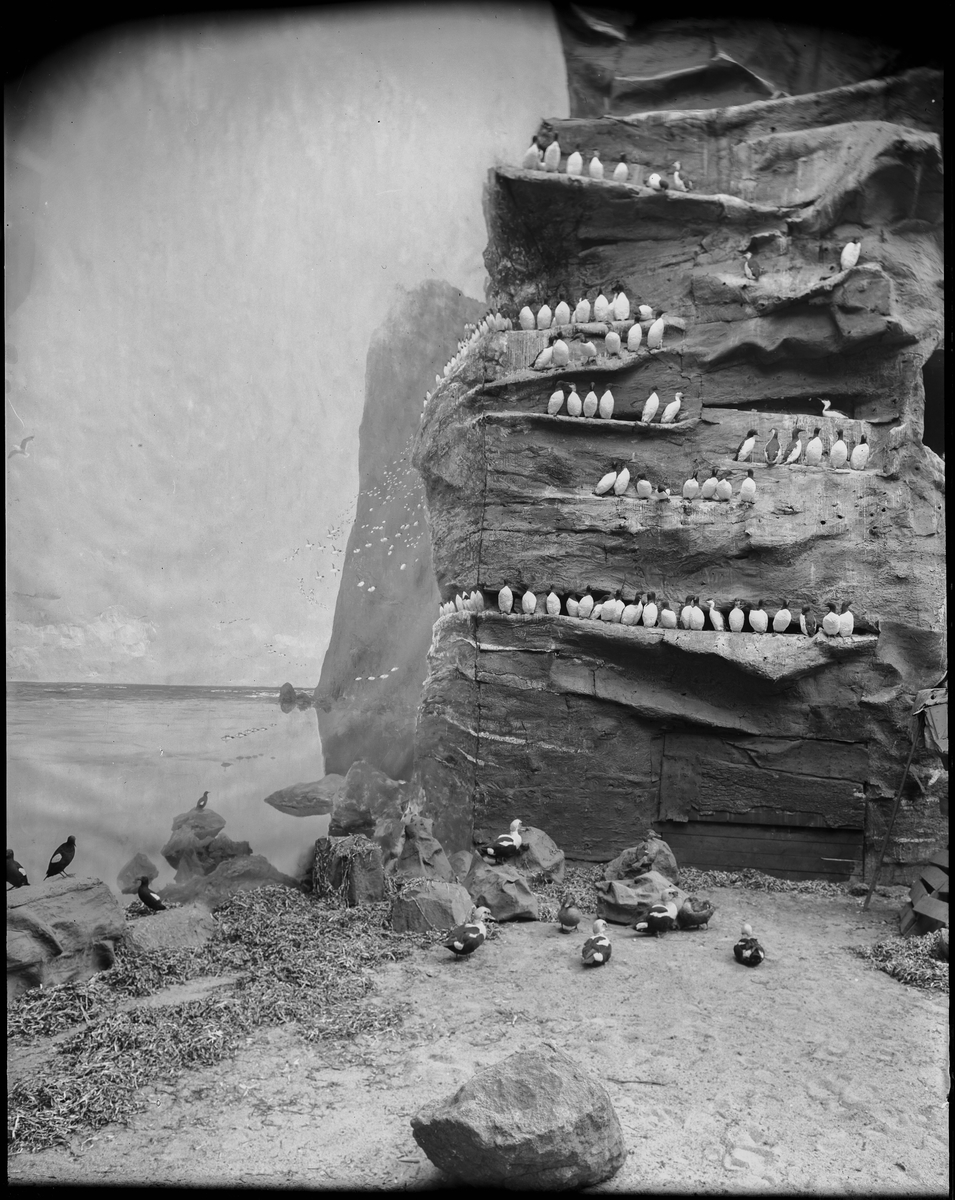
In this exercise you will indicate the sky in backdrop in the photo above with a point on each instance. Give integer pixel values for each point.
(207, 219)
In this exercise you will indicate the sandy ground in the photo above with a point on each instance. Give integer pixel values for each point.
(812, 1073)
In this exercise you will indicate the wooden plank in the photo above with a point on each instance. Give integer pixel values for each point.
(727, 787)
(796, 852)
(767, 816)
(934, 878)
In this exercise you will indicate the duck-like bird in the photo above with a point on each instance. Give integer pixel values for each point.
(16, 876)
(505, 845)
(794, 449)
(150, 899)
(660, 919)
(463, 940)
(62, 857)
(695, 913)
(596, 950)
(569, 915)
(745, 449)
(751, 268)
(679, 183)
(657, 183)
(747, 950)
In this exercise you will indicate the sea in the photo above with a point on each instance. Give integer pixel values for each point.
(113, 764)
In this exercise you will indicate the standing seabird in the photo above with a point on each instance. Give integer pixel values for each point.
(794, 448)
(745, 449)
(62, 857)
(575, 405)
(650, 407)
(505, 599)
(591, 402)
(691, 488)
(772, 448)
(575, 162)
(758, 619)
(150, 899)
(552, 156)
(708, 490)
(555, 403)
(596, 950)
(655, 333)
(596, 168)
(716, 617)
(807, 622)
(838, 452)
(634, 337)
(814, 449)
(850, 254)
(747, 489)
(671, 410)
(202, 801)
(532, 156)
(783, 618)
(860, 455)
(621, 171)
(464, 939)
(16, 876)
(737, 617)
(830, 622)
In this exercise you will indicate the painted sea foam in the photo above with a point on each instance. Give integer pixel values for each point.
(113, 764)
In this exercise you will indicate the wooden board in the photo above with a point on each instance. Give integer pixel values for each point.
(796, 852)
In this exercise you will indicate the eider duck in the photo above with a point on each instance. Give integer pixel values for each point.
(596, 950)
(660, 919)
(465, 939)
(505, 845)
(747, 950)
(569, 915)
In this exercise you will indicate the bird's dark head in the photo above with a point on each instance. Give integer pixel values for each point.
(9, 854)
(71, 840)
(144, 882)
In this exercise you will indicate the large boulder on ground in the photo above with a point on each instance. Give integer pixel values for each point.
(422, 855)
(182, 853)
(233, 875)
(172, 929)
(131, 875)
(389, 835)
(367, 794)
(315, 799)
(461, 863)
(219, 850)
(60, 931)
(534, 1121)
(202, 823)
(352, 866)
(624, 903)
(426, 904)
(541, 859)
(503, 890)
(650, 854)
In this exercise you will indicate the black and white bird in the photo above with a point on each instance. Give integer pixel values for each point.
(747, 950)
(569, 915)
(671, 410)
(464, 939)
(16, 876)
(532, 157)
(771, 451)
(606, 481)
(850, 254)
(597, 949)
(814, 449)
(621, 171)
(150, 899)
(860, 455)
(679, 183)
(838, 452)
(505, 845)
(751, 268)
(505, 599)
(62, 857)
(651, 404)
(691, 488)
(744, 451)
(847, 619)
(22, 448)
(737, 618)
(794, 448)
(830, 621)
(747, 489)
(202, 801)
(758, 619)
(656, 182)
(782, 619)
(660, 919)
(807, 622)
(575, 162)
(716, 617)
(708, 490)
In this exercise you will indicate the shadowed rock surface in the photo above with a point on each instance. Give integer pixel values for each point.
(308, 799)
(595, 731)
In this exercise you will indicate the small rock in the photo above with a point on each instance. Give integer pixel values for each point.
(534, 1121)
(503, 890)
(172, 929)
(219, 850)
(422, 855)
(354, 864)
(430, 904)
(542, 860)
(233, 875)
(131, 875)
(624, 903)
(650, 854)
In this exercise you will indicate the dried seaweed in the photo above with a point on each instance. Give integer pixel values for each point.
(915, 961)
(302, 961)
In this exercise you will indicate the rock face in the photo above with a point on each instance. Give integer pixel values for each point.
(776, 751)
(308, 799)
(534, 1121)
(174, 929)
(430, 904)
(233, 875)
(503, 890)
(130, 877)
(627, 902)
(422, 855)
(650, 854)
(368, 795)
(60, 931)
(352, 865)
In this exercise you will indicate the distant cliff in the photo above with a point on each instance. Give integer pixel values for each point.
(370, 686)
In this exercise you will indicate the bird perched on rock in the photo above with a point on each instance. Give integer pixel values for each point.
(747, 489)
(552, 603)
(644, 488)
(573, 605)
(860, 455)
(830, 622)
(645, 311)
(582, 311)
(671, 410)
(782, 619)
(505, 845)
(587, 351)
(150, 899)
(569, 915)
(679, 183)
(747, 950)
(612, 343)
(751, 267)
(621, 171)
(716, 617)
(622, 481)
(465, 939)
(595, 168)
(552, 156)
(528, 603)
(62, 857)
(632, 612)
(634, 337)
(532, 156)
(697, 615)
(691, 488)
(744, 450)
(814, 449)
(793, 450)
(591, 403)
(612, 609)
(526, 318)
(650, 407)
(758, 619)
(655, 333)
(685, 612)
(620, 307)
(724, 487)
(202, 801)
(606, 482)
(662, 492)
(575, 162)
(586, 604)
(602, 309)
(561, 353)
(575, 405)
(667, 617)
(846, 619)
(695, 913)
(737, 617)
(660, 919)
(16, 876)
(562, 313)
(657, 183)
(771, 450)
(555, 403)
(650, 611)
(596, 950)
(838, 452)
(545, 359)
(708, 490)
(807, 622)
(505, 599)
(850, 254)
(545, 317)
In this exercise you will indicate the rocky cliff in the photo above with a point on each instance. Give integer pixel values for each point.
(594, 730)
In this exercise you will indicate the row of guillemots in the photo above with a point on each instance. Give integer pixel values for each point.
(651, 613)
(661, 918)
(63, 856)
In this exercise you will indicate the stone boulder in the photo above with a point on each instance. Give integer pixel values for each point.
(130, 876)
(315, 799)
(541, 859)
(172, 929)
(649, 854)
(353, 866)
(202, 823)
(422, 855)
(182, 852)
(60, 931)
(503, 890)
(624, 903)
(219, 850)
(367, 795)
(534, 1121)
(289, 698)
(234, 875)
(430, 904)
(389, 835)
(461, 863)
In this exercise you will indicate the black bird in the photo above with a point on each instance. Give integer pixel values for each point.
(150, 899)
(62, 857)
(16, 876)
(202, 801)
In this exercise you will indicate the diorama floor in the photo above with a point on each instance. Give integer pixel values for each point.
(811, 1073)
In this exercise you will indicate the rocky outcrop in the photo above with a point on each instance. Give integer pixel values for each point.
(502, 890)
(233, 875)
(367, 796)
(649, 854)
(172, 929)
(60, 931)
(289, 698)
(315, 799)
(430, 904)
(595, 730)
(352, 866)
(627, 902)
(534, 1121)
(422, 855)
(131, 875)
